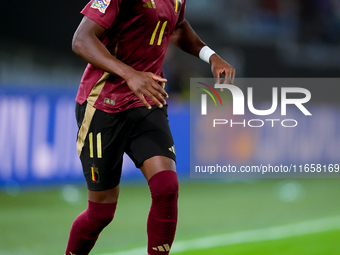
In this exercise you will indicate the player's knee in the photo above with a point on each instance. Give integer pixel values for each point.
(164, 188)
(105, 219)
(102, 213)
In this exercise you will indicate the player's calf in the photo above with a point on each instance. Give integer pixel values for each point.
(162, 220)
(87, 227)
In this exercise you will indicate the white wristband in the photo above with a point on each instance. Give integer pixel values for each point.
(205, 54)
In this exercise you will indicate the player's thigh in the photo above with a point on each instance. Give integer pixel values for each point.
(151, 145)
(101, 140)
(157, 164)
(105, 196)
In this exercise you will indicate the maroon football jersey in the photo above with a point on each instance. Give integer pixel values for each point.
(137, 33)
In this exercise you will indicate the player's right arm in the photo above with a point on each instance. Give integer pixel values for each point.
(87, 45)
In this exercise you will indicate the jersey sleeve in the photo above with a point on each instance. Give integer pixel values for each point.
(181, 14)
(102, 12)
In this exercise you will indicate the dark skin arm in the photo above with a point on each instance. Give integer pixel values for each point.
(185, 38)
(87, 45)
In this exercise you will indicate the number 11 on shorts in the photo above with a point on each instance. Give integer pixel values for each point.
(99, 144)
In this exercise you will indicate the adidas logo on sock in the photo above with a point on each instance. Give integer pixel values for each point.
(164, 247)
(150, 4)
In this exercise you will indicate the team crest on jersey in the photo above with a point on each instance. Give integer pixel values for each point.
(101, 5)
(178, 6)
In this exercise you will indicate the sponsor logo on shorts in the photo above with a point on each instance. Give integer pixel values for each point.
(109, 101)
(172, 149)
(101, 5)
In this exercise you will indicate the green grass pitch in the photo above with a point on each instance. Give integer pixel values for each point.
(38, 222)
(315, 244)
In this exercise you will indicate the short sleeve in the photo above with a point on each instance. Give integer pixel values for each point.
(102, 12)
(181, 14)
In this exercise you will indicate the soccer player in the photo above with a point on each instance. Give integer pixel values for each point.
(121, 108)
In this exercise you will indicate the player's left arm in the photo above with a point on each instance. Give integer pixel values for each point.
(185, 38)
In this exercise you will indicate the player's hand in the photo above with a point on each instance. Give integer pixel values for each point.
(219, 67)
(146, 84)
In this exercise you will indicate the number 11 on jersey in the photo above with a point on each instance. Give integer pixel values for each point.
(160, 34)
